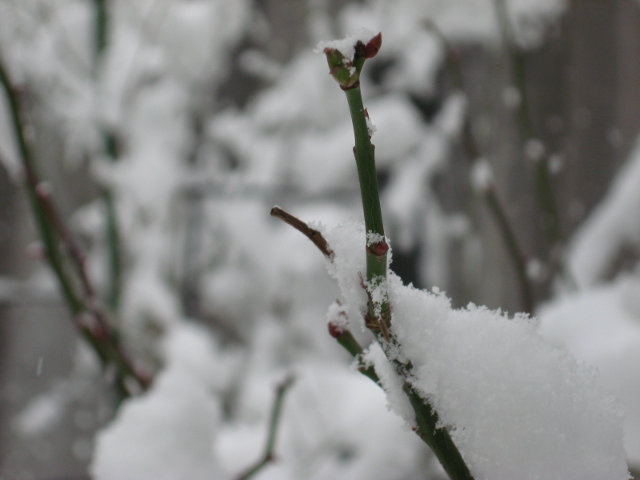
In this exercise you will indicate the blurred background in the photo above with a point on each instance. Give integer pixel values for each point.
(509, 166)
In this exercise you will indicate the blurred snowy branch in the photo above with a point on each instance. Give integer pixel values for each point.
(269, 454)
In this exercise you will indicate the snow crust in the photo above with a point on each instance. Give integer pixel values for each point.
(518, 406)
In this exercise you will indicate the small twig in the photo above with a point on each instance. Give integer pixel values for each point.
(103, 330)
(104, 338)
(115, 260)
(101, 26)
(273, 427)
(314, 235)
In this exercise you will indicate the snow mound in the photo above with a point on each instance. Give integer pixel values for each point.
(518, 406)
(601, 326)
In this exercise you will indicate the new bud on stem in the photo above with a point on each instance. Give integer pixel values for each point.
(378, 249)
(346, 57)
(335, 330)
(373, 46)
(341, 68)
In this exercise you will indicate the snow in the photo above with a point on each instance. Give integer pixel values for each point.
(168, 432)
(391, 383)
(482, 175)
(511, 97)
(348, 265)
(41, 414)
(600, 326)
(326, 430)
(373, 238)
(516, 404)
(398, 127)
(337, 315)
(465, 21)
(534, 150)
(9, 158)
(371, 128)
(165, 434)
(612, 225)
(347, 45)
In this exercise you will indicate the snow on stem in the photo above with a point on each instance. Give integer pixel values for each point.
(427, 419)
(346, 58)
(345, 67)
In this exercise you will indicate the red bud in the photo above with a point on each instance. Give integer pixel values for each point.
(373, 46)
(334, 330)
(378, 249)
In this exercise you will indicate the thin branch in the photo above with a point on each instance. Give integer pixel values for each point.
(90, 320)
(47, 233)
(346, 339)
(314, 235)
(114, 249)
(79, 259)
(428, 426)
(518, 66)
(436, 437)
(495, 207)
(75, 252)
(273, 428)
(110, 146)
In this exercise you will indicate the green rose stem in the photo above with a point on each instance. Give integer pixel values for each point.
(438, 439)
(366, 164)
(346, 72)
(90, 320)
(427, 420)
